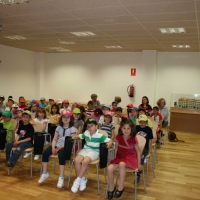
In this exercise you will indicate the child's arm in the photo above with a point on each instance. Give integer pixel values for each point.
(21, 141)
(44, 126)
(109, 144)
(150, 145)
(54, 143)
(116, 148)
(139, 157)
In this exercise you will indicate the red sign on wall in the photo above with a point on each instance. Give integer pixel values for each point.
(133, 71)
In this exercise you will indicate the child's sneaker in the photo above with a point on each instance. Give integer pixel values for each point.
(36, 157)
(60, 183)
(76, 185)
(26, 155)
(83, 183)
(43, 177)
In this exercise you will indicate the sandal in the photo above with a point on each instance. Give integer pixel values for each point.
(118, 193)
(110, 194)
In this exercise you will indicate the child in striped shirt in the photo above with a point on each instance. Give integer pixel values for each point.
(89, 153)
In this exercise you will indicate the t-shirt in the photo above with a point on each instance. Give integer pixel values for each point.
(93, 141)
(78, 123)
(62, 133)
(108, 128)
(42, 121)
(54, 118)
(146, 133)
(8, 125)
(89, 112)
(156, 118)
(25, 131)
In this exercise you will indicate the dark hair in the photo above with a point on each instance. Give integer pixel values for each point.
(90, 103)
(82, 109)
(91, 121)
(42, 110)
(55, 105)
(146, 99)
(119, 109)
(114, 102)
(131, 124)
(71, 122)
(156, 107)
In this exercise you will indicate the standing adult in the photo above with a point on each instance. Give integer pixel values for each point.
(163, 110)
(95, 101)
(145, 105)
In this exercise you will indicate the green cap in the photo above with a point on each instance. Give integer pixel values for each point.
(76, 111)
(7, 113)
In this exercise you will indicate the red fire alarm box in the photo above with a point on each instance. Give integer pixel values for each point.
(133, 71)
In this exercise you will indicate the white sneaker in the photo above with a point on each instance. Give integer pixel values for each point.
(75, 185)
(60, 183)
(83, 183)
(36, 157)
(26, 155)
(43, 177)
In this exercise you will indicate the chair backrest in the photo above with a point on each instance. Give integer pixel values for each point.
(14, 123)
(141, 142)
(103, 132)
(38, 126)
(155, 126)
(116, 130)
(115, 119)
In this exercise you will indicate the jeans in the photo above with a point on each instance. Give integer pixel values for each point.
(48, 151)
(17, 153)
(143, 156)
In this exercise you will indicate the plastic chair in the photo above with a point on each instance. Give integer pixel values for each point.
(141, 142)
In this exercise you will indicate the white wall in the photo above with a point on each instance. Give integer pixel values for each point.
(177, 73)
(17, 72)
(76, 76)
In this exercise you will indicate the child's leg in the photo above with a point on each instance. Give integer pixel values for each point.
(85, 163)
(122, 175)
(61, 157)
(9, 147)
(45, 158)
(77, 162)
(110, 171)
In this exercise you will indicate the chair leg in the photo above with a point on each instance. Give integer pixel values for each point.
(70, 173)
(145, 189)
(31, 163)
(135, 193)
(97, 168)
(153, 166)
(54, 166)
(155, 152)
(147, 165)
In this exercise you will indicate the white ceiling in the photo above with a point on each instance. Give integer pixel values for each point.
(132, 24)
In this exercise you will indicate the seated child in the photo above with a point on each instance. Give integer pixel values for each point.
(42, 103)
(54, 114)
(14, 110)
(147, 133)
(1, 108)
(107, 125)
(22, 103)
(64, 129)
(7, 124)
(119, 115)
(142, 111)
(25, 133)
(104, 108)
(2, 98)
(114, 107)
(19, 118)
(157, 117)
(65, 106)
(89, 153)
(89, 109)
(9, 104)
(34, 106)
(127, 155)
(97, 114)
(129, 107)
(78, 123)
(134, 114)
(48, 108)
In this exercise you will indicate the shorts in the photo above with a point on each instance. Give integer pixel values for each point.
(90, 153)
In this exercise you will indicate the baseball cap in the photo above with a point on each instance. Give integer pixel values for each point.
(15, 106)
(130, 105)
(10, 99)
(2, 97)
(27, 112)
(76, 111)
(42, 99)
(105, 106)
(35, 103)
(142, 118)
(134, 108)
(98, 110)
(22, 100)
(7, 113)
(66, 113)
(19, 109)
(66, 101)
(108, 113)
(59, 102)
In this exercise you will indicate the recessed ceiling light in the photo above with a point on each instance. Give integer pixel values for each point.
(180, 46)
(83, 33)
(172, 30)
(59, 49)
(113, 47)
(63, 42)
(15, 37)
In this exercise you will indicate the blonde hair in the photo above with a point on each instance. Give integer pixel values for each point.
(159, 101)
(118, 99)
(93, 95)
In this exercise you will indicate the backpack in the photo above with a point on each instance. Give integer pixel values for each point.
(172, 137)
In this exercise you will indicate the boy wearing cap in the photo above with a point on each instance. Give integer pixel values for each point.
(7, 124)
(119, 115)
(22, 103)
(48, 107)
(9, 104)
(25, 134)
(147, 133)
(42, 103)
(134, 114)
(104, 108)
(142, 111)
(2, 98)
